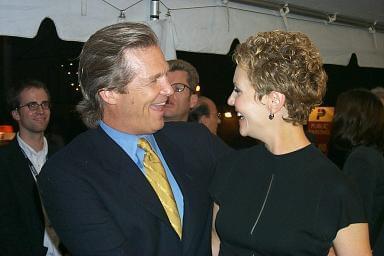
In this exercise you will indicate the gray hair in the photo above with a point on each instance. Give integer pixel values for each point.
(102, 64)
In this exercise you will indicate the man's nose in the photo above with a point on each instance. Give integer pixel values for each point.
(166, 88)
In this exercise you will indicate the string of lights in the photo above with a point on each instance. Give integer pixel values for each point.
(70, 74)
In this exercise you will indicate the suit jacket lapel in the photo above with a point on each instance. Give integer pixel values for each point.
(177, 164)
(25, 183)
(130, 179)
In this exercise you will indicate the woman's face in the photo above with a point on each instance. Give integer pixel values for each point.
(253, 113)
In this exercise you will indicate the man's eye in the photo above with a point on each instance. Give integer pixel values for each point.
(33, 105)
(178, 87)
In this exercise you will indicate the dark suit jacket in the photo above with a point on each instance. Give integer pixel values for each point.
(100, 203)
(21, 216)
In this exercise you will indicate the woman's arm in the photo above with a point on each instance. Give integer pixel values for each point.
(353, 240)
(215, 237)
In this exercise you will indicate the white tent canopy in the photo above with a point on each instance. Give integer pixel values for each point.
(208, 26)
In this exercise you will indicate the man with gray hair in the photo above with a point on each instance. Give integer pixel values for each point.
(130, 185)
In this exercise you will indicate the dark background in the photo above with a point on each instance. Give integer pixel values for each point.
(49, 59)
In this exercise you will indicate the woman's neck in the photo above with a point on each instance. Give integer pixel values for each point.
(288, 138)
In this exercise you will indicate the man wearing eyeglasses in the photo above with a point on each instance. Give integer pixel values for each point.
(183, 78)
(24, 229)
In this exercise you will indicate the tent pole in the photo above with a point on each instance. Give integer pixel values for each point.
(154, 10)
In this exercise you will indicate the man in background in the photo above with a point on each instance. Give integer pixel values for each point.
(23, 227)
(183, 78)
(130, 185)
(205, 112)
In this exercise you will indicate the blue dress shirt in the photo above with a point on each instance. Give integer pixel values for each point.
(128, 143)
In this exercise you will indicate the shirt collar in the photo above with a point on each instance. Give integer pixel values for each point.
(29, 150)
(36, 158)
(128, 142)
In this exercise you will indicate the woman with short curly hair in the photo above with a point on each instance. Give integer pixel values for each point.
(283, 197)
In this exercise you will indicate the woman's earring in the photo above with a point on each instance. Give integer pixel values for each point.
(271, 116)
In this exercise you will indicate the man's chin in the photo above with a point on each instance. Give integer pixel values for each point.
(167, 116)
(158, 126)
(39, 128)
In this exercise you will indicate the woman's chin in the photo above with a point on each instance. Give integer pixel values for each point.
(243, 127)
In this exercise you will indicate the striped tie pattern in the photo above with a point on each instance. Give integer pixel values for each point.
(155, 173)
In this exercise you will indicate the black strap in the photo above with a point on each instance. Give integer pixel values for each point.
(30, 165)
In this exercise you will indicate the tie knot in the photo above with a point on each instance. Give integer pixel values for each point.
(149, 153)
(144, 144)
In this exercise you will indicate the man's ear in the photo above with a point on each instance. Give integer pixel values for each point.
(204, 120)
(276, 101)
(193, 100)
(15, 114)
(109, 96)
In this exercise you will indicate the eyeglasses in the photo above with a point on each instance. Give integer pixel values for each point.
(179, 87)
(34, 106)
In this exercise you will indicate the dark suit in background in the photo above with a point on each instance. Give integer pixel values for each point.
(21, 216)
(100, 203)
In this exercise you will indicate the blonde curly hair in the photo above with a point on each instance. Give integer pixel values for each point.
(285, 62)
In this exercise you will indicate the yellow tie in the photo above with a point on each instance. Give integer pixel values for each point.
(155, 173)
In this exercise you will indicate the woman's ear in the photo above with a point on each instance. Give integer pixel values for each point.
(276, 101)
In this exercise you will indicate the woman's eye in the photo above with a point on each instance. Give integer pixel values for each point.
(236, 90)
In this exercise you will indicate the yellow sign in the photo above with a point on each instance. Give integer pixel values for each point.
(322, 114)
(320, 124)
